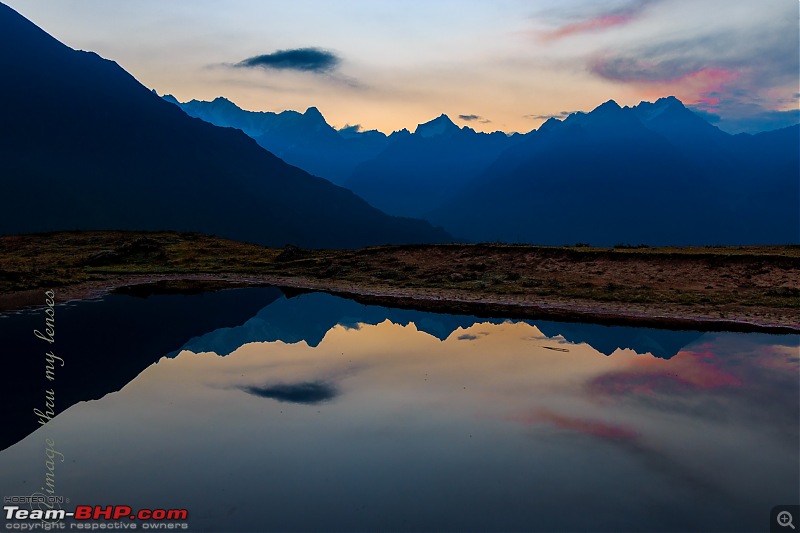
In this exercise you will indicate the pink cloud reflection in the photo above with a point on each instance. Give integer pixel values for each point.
(689, 370)
(592, 428)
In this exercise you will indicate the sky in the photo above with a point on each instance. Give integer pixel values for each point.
(504, 65)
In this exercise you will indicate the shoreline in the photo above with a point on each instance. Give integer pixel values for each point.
(432, 300)
(732, 288)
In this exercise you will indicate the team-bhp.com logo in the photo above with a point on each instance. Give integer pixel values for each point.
(161, 518)
(116, 512)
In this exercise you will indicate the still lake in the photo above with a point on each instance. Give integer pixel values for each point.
(262, 411)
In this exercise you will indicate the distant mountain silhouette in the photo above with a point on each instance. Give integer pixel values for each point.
(655, 173)
(404, 174)
(662, 343)
(86, 146)
(417, 172)
(308, 317)
(305, 140)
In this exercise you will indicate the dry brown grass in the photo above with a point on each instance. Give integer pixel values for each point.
(760, 283)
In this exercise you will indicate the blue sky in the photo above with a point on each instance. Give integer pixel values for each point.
(502, 65)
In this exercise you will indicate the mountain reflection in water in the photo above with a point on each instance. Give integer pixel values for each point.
(321, 414)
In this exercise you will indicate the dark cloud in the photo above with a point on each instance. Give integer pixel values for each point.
(635, 69)
(627, 8)
(309, 393)
(351, 128)
(467, 337)
(302, 59)
(560, 115)
(472, 118)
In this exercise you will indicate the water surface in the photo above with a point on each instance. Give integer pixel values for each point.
(320, 414)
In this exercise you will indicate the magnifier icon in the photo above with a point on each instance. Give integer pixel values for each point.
(785, 519)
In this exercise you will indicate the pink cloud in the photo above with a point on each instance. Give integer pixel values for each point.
(586, 26)
(700, 87)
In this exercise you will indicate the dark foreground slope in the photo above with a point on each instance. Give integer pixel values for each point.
(86, 146)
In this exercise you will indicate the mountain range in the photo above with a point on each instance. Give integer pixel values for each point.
(301, 139)
(655, 173)
(86, 146)
(308, 318)
(404, 173)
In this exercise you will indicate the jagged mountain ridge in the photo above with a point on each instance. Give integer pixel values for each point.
(309, 317)
(662, 173)
(652, 173)
(404, 172)
(417, 172)
(304, 139)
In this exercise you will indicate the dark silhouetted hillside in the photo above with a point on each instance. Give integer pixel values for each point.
(86, 146)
